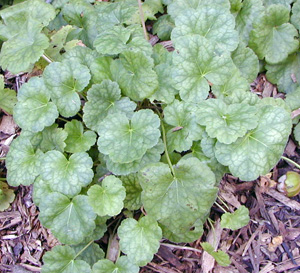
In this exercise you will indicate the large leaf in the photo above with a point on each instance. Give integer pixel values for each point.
(273, 38)
(62, 259)
(285, 74)
(215, 24)
(195, 63)
(8, 97)
(226, 122)
(135, 75)
(183, 117)
(100, 69)
(163, 27)
(107, 199)
(260, 149)
(139, 239)
(23, 163)
(67, 176)
(251, 11)
(295, 18)
(92, 254)
(122, 265)
(134, 137)
(78, 140)
(63, 81)
(21, 51)
(178, 201)
(34, 111)
(104, 99)
(69, 220)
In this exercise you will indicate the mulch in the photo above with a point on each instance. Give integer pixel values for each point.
(270, 243)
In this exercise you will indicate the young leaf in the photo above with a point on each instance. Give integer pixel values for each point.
(139, 239)
(34, 111)
(64, 80)
(216, 25)
(260, 149)
(246, 61)
(134, 137)
(195, 64)
(67, 176)
(226, 122)
(135, 75)
(104, 99)
(251, 11)
(273, 38)
(78, 140)
(285, 74)
(107, 199)
(122, 265)
(69, 220)
(7, 196)
(221, 257)
(235, 220)
(91, 255)
(163, 27)
(23, 163)
(183, 117)
(178, 201)
(8, 97)
(133, 191)
(62, 259)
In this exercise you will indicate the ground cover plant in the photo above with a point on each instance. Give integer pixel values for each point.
(117, 132)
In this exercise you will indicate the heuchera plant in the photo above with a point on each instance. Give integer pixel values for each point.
(114, 124)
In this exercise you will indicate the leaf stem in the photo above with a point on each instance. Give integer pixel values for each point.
(83, 249)
(218, 205)
(165, 146)
(225, 205)
(143, 19)
(63, 119)
(45, 57)
(291, 161)
(2, 158)
(2, 179)
(182, 247)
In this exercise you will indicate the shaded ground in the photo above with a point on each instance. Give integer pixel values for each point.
(269, 243)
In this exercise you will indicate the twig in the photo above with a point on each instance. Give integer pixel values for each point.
(182, 247)
(143, 19)
(295, 113)
(47, 59)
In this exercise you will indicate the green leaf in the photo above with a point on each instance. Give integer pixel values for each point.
(135, 75)
(246, 61)
(163, 27)
(67, 176)
(100, 69)
(295, 18)
(23, 163)
(260, 149)
(221, 257)
(69, 220)
(64, 80)
(251, 11)
(165, 91)
(134, 137)
(78, 140)
(235, 6)
(34, 111)
(8, 97)
(216, 25)
(179, 201)
(105, 99)
(297, 132)
(122, 265)
(235, 220)
(7, 196)
(242, 97)
(91, 255)
(273, 38)
(226, 122)
(152, 155)
(139, 239)
(41, 188)
(182, 117)
(194, 64)
(21, 51)
(112, 40)
(293, 99)
(133, 191)
(161, 55)
(285, 74)
(286, 3)
(62, 259)
(107, 199)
